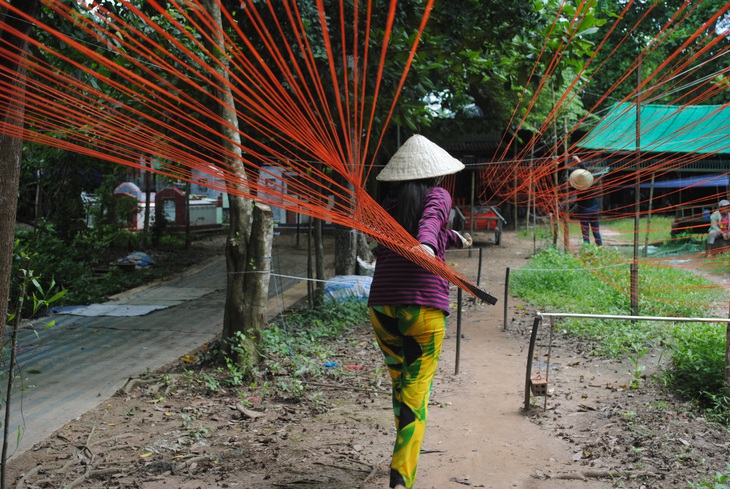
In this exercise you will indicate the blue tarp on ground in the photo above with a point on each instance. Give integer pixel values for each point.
(345, 287)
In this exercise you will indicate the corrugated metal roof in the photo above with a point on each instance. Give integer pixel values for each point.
(701, 129)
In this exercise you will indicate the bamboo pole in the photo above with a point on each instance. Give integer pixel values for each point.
(648, 216)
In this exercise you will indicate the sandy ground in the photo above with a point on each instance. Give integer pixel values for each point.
(479, 434)
(590, 432)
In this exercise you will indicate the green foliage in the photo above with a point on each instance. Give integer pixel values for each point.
(72, 267)
(638, 370)
(195, 430)
(642, 22)
(171, 241)
(561, 281)
(326, 320)
(718, 264)
(294, 350)
(698, 359)
(71, 240)
(51, 187)
(541, 233)
(297, 338)
(660, 228)
(721, 480)
(28, 291)
(35, 295)
(596, 281)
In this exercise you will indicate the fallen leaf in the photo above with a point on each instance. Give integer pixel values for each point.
(249, 413)
(461, 480)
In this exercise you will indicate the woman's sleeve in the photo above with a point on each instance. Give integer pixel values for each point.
(436, 209)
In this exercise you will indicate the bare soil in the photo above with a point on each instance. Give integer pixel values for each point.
(169, 429)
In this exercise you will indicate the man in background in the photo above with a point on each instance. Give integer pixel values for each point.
(719, 224)
(586, 206)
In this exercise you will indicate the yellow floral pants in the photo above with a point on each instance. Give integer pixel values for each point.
(410, 338)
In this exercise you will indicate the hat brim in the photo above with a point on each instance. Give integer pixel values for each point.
(417, 159)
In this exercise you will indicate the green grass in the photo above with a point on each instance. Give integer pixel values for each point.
(299, 345)
(659, 229)
(717, 265)
(623, 229)
(597, 281)
(720, 480)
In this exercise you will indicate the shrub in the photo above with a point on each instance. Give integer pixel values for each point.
(596, 281)
(698, 363)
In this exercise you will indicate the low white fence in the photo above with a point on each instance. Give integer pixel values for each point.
(540, 388)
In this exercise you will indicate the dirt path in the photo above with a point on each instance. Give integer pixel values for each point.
(178, 429)
(482, 432)
(594, 431)
(478, 433)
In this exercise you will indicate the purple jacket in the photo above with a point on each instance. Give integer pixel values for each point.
(400, 282)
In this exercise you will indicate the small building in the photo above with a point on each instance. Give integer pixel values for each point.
(684, 150)
(205, 213)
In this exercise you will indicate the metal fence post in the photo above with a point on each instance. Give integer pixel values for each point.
(479, 270)
(506, 298)
(458, 331)
(530, 353)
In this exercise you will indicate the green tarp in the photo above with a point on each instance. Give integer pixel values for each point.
(664, 129)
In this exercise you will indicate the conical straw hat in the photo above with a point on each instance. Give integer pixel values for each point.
(417, 159)
(581, 179)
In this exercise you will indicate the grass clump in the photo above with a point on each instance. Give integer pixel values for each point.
(557, 280)
(299, 346)
(297, 342)
(588, 283)
(697, 366)
(597, 281)
(660, 228)
(721, 480)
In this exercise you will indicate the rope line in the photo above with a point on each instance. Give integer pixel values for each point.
(313, 93)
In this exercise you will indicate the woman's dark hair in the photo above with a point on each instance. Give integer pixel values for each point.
(409, 197)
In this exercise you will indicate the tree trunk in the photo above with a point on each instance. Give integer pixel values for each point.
(243, 316)
(310, 264)
(317, 294)
(319, 262)
(363, 248)
(240, 209)
(11, 148)
(240, 214)
(345, 250)
(256, 286)
(158, 229)
(188, 237)
(345, 242)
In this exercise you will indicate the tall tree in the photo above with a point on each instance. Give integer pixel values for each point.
(12, 113)
(663, 33)
(250, 234)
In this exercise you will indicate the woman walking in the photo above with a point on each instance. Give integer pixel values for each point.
(409, 304)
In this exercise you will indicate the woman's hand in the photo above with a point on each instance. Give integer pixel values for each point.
(466, 240)
(425, 249)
